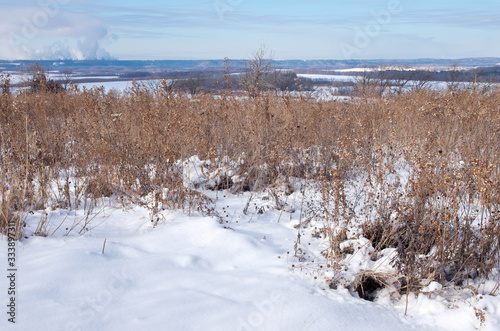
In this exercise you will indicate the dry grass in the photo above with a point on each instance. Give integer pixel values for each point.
(443, 221)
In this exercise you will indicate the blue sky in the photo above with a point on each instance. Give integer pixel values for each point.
(214, 29)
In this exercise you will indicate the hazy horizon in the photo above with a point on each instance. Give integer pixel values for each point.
(274, 59)
(215, 29)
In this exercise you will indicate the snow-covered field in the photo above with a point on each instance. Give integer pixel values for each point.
(113, 84)
(179, 270)
(437, 85)
(119, 86)
(330, 78)
(188, 273)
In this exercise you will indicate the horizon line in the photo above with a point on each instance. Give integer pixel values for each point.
(273, 59)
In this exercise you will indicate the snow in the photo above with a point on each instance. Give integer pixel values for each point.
(57, 76)
(330, 78)
(356, 69)
(15, 78)
(120, 86)
(235, 270)
(187, 273)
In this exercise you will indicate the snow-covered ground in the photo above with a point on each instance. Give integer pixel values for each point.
(116, 85)
(438, 85)
(323, 94)
(420, 67)
(180, 270)
(361, 69)
(330, 78)
(188, 273)
(19, 78)
(119, 86)
(113, 84)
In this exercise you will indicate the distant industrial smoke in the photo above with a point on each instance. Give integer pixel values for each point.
(90, 48)
(29, 32)
(87, 48)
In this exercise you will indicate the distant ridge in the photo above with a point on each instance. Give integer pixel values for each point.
(190, 65)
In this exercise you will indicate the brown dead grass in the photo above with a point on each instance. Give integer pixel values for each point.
(106, 144)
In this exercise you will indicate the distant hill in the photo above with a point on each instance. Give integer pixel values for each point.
(117, 66)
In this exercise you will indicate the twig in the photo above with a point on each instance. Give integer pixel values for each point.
(407, 293)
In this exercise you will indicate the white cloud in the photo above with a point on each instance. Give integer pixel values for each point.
(43, 32)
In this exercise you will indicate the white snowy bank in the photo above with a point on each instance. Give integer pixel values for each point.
(192, 273)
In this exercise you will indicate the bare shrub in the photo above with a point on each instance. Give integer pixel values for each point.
(417, 172)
